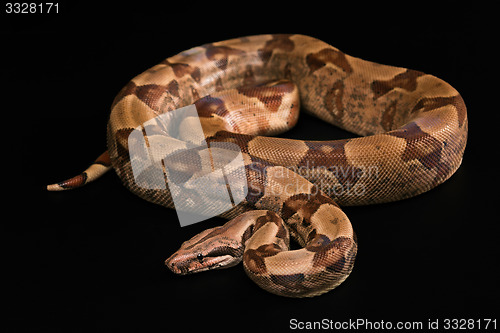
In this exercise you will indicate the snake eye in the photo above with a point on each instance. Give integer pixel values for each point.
(200, 257)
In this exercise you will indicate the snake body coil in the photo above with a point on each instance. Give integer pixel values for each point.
(413, 127)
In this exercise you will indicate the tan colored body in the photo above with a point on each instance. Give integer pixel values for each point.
(414, 127)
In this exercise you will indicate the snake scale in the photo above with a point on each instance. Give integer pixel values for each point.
(412, 131)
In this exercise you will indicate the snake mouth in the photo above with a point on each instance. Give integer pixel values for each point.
(181, 265)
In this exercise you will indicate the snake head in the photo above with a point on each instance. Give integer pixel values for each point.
(210, 249)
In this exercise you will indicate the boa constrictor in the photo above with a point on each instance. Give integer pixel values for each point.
(412, 128)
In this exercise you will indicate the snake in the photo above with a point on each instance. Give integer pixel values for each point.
(410, 133)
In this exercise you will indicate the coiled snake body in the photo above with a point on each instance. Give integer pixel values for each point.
(413, 128)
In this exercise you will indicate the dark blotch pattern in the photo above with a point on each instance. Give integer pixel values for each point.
(270, 94)
(406, 81)
(388, 116)
(320, 59)
(129, 89)
(220, 54)
(272, 218)
(280, 42)
(74, 182)
(304, 204)
(325, 251)
(430, 103)
(337, 266)
(157, 96)
(331, 154)
(208, 105)
(419, 145)
(256, 176)
(181, 69)
(247, 234)
(333, 100)
(254, 258)
(317, 243)
(122, 156)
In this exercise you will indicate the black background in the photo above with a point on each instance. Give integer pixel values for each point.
(91, 260)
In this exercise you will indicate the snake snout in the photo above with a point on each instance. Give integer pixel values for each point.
(181, 263)
(177, 264)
